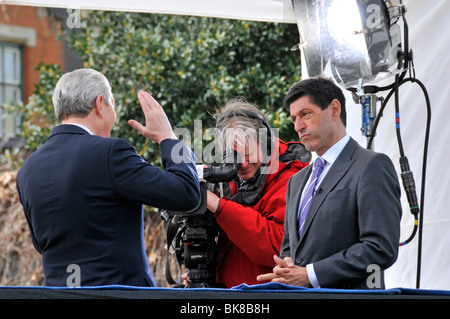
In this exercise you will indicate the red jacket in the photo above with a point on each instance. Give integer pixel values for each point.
(251, 235)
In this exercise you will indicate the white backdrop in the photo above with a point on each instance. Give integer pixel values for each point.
(430, 41)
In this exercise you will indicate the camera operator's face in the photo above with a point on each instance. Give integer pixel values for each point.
(251, 155)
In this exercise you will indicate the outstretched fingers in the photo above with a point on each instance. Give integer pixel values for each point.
(157, 126)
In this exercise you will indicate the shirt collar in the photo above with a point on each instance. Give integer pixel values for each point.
(333, 152)
(83, 127)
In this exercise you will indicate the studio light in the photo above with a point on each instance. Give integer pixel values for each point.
(357, 41)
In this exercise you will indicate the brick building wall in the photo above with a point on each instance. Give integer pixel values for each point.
(37, 33)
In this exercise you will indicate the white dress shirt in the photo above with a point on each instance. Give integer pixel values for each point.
(329, 157)
(82, 126)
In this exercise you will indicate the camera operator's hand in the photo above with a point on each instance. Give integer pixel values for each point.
(184, 278)
(157, 127)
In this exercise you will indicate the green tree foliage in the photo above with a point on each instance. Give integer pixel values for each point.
(191, 65)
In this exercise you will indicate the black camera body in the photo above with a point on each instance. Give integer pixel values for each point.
(193, 234)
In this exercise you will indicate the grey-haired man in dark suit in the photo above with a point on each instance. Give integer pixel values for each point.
(83, 191)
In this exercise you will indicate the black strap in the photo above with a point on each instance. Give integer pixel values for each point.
(173, 230)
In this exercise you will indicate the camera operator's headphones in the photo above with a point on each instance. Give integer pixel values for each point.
(253, 115)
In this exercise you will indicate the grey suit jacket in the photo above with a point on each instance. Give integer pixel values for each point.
(353, 221)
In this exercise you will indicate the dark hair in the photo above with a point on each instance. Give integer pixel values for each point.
(321, 92)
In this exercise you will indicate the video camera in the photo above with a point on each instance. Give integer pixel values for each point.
(192, 234)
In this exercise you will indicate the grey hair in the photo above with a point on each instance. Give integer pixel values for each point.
(236, 127)
(76, 91)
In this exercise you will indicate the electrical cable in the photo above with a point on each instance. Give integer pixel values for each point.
(418, 220)
(407, 177)
(425, 156)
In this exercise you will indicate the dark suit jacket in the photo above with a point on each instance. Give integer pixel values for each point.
(82, 196)
(353, 220)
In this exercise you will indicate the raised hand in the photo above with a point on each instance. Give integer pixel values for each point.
(157, 126)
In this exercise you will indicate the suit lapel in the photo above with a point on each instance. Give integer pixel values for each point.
(334, 175)
(296, 193)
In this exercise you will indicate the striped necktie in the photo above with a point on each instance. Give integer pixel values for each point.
(303, 210)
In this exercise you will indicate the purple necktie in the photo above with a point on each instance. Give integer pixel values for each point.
(303, 210)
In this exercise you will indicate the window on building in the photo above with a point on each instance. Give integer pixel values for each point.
(11, 88)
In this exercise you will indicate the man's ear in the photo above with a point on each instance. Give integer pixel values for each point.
(335, 107)
(98, 105)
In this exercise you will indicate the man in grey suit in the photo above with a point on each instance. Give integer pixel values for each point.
(351, 230)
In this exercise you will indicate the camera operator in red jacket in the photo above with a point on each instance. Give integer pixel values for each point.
(251, 218)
